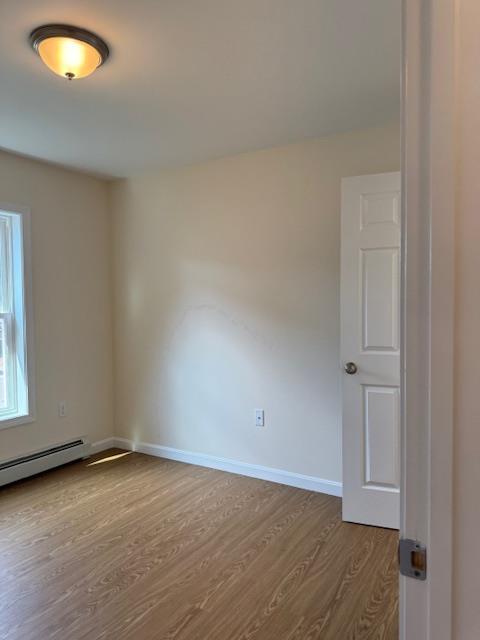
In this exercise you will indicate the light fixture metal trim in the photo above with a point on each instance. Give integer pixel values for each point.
(39, 34)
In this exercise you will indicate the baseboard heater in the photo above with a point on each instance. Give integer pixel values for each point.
(38, 461)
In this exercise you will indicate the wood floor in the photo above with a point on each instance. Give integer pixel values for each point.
(148, 549)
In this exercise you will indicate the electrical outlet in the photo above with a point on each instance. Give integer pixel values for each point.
(259, 417)
(62, 409)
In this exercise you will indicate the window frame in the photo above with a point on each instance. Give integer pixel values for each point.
(27, 347)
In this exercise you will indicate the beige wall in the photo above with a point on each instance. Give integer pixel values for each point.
(72, 310)
(467, 378)
(227, 298)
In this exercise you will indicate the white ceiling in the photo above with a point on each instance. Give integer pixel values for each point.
(195, 79)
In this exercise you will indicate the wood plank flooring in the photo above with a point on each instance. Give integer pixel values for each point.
(135, 547)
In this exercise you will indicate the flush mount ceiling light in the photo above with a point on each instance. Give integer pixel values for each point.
(69, 51)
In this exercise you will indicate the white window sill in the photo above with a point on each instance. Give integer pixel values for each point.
(15, 420)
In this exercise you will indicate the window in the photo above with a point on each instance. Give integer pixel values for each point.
(16, 403)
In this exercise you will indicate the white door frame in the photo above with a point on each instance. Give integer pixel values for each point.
(428, 169)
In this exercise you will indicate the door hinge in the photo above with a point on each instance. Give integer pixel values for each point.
(412, 556)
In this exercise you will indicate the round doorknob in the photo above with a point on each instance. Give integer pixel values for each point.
(350, 368)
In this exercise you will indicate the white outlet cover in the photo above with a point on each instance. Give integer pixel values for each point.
(259, 417)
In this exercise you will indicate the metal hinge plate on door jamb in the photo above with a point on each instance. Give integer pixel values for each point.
(413, 559)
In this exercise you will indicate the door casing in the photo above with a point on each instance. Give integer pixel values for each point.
(429, 33)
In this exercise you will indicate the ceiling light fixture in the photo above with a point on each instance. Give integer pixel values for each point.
(69, 51)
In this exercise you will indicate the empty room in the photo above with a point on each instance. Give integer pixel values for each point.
(238, 307)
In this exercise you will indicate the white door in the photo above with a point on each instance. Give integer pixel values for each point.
(370, 348)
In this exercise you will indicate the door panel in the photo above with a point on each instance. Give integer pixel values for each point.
(380, 297)
(381, 426)
(370, 337)
(380, 208)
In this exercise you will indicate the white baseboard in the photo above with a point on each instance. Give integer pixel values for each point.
(311, 483)
(102, 445)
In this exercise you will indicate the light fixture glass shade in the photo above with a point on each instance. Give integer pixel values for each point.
(68, 57)
(70, 52)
